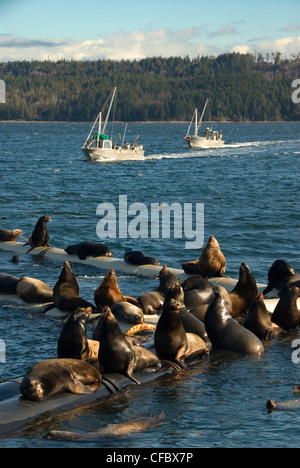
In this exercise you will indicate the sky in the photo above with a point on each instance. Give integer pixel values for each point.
(136, 29)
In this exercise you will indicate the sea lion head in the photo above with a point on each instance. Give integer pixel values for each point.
(16, 232)
(35, 390)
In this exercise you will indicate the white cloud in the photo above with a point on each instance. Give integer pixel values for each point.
(287, 46)
(135, 45)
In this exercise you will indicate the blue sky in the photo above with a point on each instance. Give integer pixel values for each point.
(92, 29)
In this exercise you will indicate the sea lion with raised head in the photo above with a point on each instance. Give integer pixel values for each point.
(286, 314)
(8, 283)
(9, 236)
(116, 352)
(108, 293)
(226, 333)
(88, 249)
(151, 302)
(66, 291)
(34, 291)
(53, 376)
(40, 235)
(136, 257)
(258, 319)
(171, 341)
(73, 342)
(111, 431)
(281, 274)
(244, 292)
(211, 262)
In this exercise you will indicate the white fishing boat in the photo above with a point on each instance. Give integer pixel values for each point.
(99, 147)
(209, 139)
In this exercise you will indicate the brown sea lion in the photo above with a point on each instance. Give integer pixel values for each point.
(34, 291)
(127, 312)
(258, 319)
(211, 262)
(286, 314)
(66, 291)
(40, 236)
(108, 293)
(172, 343)
(88, 249)
(244, 292)
(9, 236)
(281, 274)
(114, 430)
(226, 333)
(53, 376)
(135, 257)
(73, 342)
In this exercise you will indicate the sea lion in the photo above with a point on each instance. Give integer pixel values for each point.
(34, 291)
(113, 430)
(9, 236)
(224, 332)
(283, 405)
(53, 376)
(72, 341)
(135, 257)
(211, 262)
(108, 293)
(88, 249)
(115, 352)
(197, 291)
(281, 274)
(171, 341)
(8, 283)
(40, 236)
(258, 319)
(244, 292)
(127, 312)
(66, 291)
(151, 302)
(286, 314)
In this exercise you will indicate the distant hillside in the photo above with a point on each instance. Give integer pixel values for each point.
(240, 88)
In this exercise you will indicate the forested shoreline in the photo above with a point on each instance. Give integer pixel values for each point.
(240, 87)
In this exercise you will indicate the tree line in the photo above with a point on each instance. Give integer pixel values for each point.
(240, 87)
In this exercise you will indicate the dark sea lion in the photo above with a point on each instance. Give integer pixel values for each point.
(281, 274)
(8, 283)
(114, 430)
(283, 405)
(258, 319)
(151, 302)
(224, 332)
(72, 341)
(171, 341)
(286, 314)
(197, 291)
(211, 262)
(34, 291)
(9, 236)
(53, 376)
(40, 236)
(244, 292)
(66, 291)
(190, 323)
(108, 293)
(88, 249)
(115, 352)
(135, 257)
(127, 312)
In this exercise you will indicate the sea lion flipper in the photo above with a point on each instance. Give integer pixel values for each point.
(77, 387)
(130, 372)
(180, 356)
(132, 300)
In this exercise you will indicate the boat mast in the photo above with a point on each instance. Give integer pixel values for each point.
(202, 115)
(109, 109)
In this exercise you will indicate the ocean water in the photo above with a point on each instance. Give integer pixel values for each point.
(250, 192)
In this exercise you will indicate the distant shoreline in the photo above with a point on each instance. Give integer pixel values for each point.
(222, 122)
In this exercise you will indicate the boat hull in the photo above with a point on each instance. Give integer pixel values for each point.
(107, 155)
(200, 142)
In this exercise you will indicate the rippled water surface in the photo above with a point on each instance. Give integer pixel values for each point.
(250, 192)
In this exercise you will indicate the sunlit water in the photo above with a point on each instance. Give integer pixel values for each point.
(250, 192)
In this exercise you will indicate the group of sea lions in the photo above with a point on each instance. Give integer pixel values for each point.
(194, 318)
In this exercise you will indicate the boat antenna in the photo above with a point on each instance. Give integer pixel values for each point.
(112, 96)
(124, 134)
